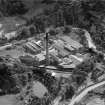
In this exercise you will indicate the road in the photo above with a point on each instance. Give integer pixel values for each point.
(83, 93)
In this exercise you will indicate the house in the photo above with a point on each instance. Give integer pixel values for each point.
(70, 41)
(1, 33)
(10, 35)
(69, 47)
(29, 48)
(40, 57)
(59, 45)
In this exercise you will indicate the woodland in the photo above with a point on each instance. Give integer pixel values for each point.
(17, 78)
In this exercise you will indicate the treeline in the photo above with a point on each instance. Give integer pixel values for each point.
(12, 7)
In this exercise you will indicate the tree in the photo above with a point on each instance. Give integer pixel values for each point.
(12, 7)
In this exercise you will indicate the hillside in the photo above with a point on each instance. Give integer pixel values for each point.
(52, 52)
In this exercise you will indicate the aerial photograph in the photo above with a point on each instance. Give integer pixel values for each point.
(52, 52)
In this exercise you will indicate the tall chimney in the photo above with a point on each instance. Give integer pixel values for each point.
(47, 47)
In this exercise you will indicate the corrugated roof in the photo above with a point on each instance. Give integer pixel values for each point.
(72, 42)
